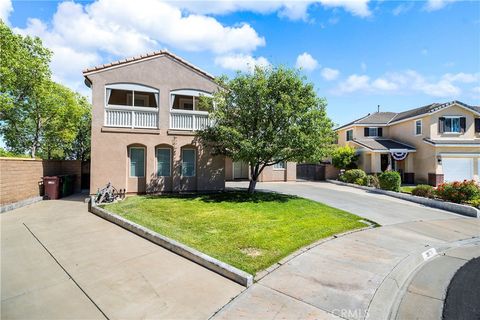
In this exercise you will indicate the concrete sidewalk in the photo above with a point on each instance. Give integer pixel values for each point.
(359, 273)
(58, 261)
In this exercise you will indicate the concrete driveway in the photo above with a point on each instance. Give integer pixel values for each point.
(58, 261)
(380, 208)
(362, 273)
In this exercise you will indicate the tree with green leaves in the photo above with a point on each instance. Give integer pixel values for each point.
(266, 117)
(344, 157)
(37, 115)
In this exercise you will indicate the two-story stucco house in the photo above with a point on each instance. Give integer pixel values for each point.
(145, 114)
(431, 144)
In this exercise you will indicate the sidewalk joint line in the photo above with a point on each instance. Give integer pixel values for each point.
(68, 274)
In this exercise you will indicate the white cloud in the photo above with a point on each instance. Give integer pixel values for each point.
(354, 83)
(446, 86)
(402, 8)
(433, 5)
(80, 35)
(241, 62)
(330, 74)
(384, 84)
(306, 62)
(5, 9)
(293, 10)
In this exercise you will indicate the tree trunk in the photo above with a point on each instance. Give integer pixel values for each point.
(251, 186)
(33, 151)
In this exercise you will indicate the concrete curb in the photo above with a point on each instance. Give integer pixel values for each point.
(19, 204)
(196, 256)
(438, 204)
(388, 296)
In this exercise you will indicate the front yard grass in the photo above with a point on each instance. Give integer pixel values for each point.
(250, 232)
(407, 189)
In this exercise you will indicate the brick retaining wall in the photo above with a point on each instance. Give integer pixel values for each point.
(20, 178)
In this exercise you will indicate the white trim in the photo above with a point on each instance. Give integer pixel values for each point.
(130, 108)
(415, 127)
(191, 92)
(130, 161)
(454, 154)
(194, 162)
(189, 112)
(131, 87)
(452, 144)
(170, 162)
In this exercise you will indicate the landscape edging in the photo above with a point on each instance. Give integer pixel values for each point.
(196, 256)
(444, 205)
(19, 204)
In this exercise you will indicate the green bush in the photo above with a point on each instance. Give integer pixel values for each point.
(372, 181)
(474, 203)
(390, 180)
(361, 181)
(458, 192)
(351, 176)
(423, 190)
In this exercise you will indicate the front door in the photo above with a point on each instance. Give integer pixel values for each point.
(384, 160)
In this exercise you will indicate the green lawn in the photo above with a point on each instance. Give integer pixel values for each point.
(250, 232)
(407, 189)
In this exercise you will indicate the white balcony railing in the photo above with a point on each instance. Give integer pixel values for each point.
(131, 117)
(188, 120)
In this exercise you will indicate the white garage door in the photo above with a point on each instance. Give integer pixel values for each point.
(457, 169)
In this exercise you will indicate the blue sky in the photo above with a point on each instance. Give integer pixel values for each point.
(358, 53)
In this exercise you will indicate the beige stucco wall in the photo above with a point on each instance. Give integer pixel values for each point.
(425, 159)
(110, 149)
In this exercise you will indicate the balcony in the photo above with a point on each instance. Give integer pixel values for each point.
(131, 117)
(188, 120)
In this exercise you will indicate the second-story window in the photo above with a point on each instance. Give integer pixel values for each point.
(452, 124)
(190, 100)
(418, 127)
(349, 135)
(373, 132)
(134, 97)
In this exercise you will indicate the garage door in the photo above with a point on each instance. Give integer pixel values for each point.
(457, 169)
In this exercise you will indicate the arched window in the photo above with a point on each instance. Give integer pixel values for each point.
(187, 99)
(131, 95)
(163, 153)
(136, 155)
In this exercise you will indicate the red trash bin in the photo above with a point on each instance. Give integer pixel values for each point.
(52, 187)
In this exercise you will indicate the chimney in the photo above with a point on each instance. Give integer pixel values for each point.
(378, 108)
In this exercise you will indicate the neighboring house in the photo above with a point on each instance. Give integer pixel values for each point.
(144, 118)
(430, 144)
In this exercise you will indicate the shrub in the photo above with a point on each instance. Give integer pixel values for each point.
(361, 181)
(390, 180)
(474, 203)
(458, 191)
(352, 175)
(372, 181)
(423, 190)
(344, 157)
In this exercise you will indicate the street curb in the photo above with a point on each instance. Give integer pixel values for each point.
(388, 296)
(217, 266)
(438, 204)
(19, 204)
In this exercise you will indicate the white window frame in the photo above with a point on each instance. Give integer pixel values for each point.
(452, 117)
(346, 135)
(421, 127)
(283, 167)
(130, 162)
(131, 87)
(194, 163)
(373, 136)
(170, 163)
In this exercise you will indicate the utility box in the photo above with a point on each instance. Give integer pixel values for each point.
(51, 187)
